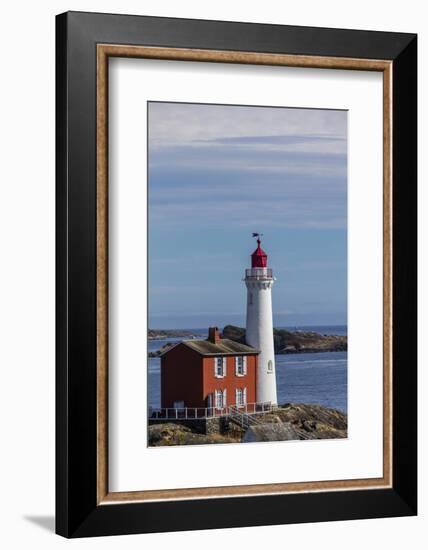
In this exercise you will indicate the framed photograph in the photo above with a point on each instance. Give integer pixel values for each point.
(236, 274)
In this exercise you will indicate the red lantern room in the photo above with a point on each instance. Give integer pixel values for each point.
(259, 256)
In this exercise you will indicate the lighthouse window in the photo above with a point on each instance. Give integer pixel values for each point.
(270, 366)
(250, 298)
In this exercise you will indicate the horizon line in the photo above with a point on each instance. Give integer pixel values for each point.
(278, 326)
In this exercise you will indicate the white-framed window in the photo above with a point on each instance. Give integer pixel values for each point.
(240, 396)
(219, 367)
(270, 365)
(220, 399)
(241, 365)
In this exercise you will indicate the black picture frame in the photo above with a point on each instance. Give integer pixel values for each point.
(77, 511)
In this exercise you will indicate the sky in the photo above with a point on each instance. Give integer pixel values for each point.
(218, 173)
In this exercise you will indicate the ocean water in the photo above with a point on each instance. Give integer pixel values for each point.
(316, 378)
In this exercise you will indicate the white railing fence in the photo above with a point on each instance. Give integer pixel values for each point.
(244, 420)
(188, 413)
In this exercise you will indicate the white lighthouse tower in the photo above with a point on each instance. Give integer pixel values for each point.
(259, 281)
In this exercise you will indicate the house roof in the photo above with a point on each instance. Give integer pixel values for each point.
(223, 347)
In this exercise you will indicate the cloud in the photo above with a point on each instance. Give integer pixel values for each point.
(264, 159)
(277, 139)
(181, 123)
(246, 165)
(265, 214)
(217, 173)
(312, 144)
(244, 199)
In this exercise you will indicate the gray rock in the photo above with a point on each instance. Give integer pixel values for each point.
(270, 432)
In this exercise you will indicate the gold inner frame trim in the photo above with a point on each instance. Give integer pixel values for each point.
(104, 51)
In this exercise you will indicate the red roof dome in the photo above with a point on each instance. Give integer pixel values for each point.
(259, 257)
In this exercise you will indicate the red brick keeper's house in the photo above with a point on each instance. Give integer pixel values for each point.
(211, 374)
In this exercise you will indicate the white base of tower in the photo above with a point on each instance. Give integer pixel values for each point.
(259, 333)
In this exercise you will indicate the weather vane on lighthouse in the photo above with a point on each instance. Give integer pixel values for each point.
(259, 332)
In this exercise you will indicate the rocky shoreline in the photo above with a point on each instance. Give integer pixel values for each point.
(161, 350)
(291, 421)
(164, 334)
(285, 341)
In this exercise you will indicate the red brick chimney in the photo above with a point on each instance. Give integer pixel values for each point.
(213, 335)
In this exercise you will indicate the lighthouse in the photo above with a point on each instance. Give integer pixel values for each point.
(259, 281)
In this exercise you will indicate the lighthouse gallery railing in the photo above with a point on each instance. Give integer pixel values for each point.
(257, 273)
